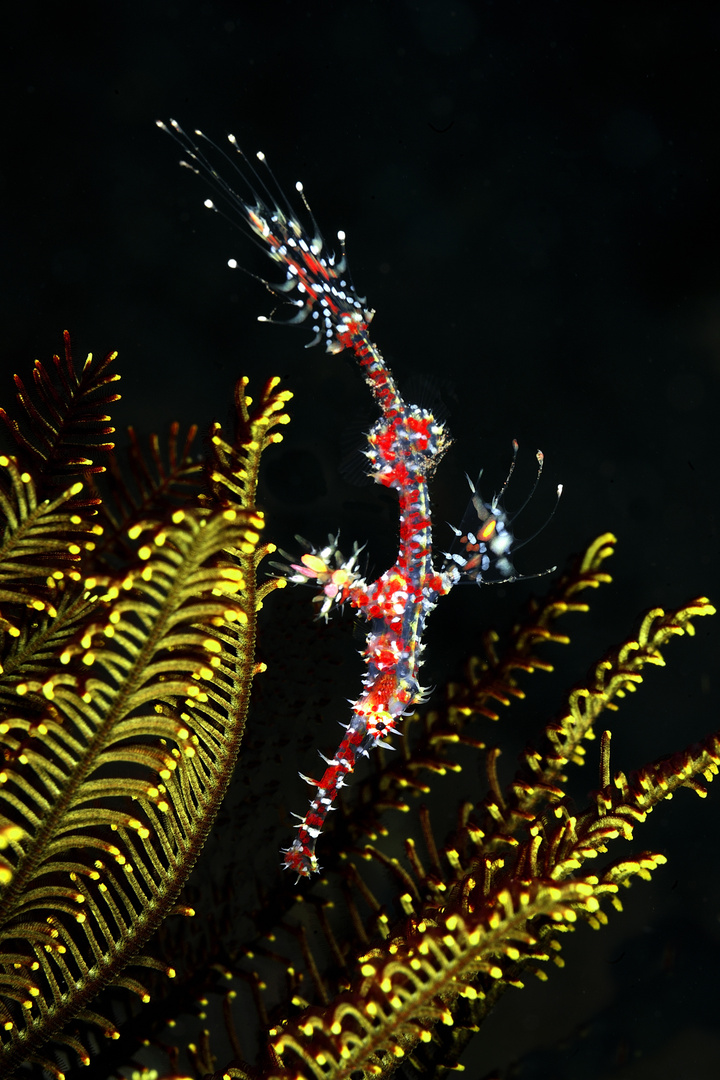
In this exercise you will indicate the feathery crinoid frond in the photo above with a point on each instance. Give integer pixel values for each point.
(40, 546)
(147, 483)
(124, 692)
(487, 905)
(63, 423)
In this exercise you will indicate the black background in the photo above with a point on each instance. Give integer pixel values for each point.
(530, 194)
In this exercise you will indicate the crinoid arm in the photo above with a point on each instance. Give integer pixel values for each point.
(124, 689)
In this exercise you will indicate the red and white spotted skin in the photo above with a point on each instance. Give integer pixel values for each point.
(404, 447)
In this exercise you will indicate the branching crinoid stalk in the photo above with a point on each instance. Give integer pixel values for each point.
(127, 658)
(489, 904)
